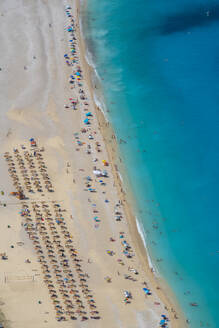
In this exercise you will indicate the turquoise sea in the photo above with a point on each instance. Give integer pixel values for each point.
(158, 64)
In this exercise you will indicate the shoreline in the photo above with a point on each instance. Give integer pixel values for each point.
(161, 286)
(41, 140)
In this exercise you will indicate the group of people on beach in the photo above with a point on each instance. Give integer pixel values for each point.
(79, 100)
(47, 229)
(44, 221)
(30, 180)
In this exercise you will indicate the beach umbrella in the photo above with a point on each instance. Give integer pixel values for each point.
(147, 291)
(89, 114)
(86, 121)
(97, 172)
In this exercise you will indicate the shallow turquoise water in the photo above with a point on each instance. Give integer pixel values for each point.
(159, 69)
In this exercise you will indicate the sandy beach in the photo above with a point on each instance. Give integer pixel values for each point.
(70, 249)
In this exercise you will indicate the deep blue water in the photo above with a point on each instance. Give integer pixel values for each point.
(158, 62)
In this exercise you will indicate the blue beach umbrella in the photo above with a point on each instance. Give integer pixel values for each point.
(147, 291)
(89, 114)
(86, 121)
